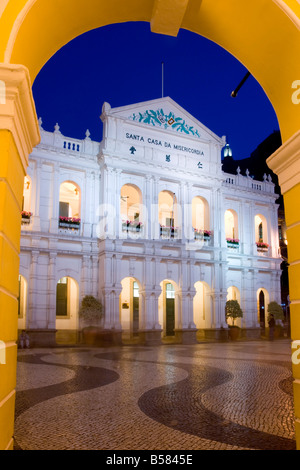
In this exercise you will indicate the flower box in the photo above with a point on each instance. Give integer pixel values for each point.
(26, 217)
(233, 242)
(131, 226)
(262, 247)
(69, 222)
(202, 234)
(168, 232)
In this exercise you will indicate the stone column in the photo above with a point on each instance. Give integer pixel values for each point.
(86, 285)
(155, 231)
(51, 317)
(55, 200)
(185, 328)
(147, 202)
(150, 329)
(19, 133)
(32, 290)
(86, 215)
(36, 225)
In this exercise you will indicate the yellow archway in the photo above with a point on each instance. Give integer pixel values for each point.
(261, 34)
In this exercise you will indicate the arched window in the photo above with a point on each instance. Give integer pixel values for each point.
(231, 227)
(67, 305)
(66, 294)
(26, 201)
(167, 214)
(168, 307)
(200, 217)
(69, 205)
(22, 302)
(202, 305)
(233, 293)
(261, 231)
(131, 208)
(130, 306)
(263, 300)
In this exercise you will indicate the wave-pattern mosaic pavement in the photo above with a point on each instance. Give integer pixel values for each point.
(219, 396)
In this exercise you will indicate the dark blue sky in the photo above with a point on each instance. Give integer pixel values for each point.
(121, 64)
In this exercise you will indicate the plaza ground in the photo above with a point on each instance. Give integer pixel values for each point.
(218, 396)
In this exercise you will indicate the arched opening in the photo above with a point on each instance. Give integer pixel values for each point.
(200, 218)
(231, 227)
(233, 293)
(69, 205)
(130, 307)
(131, 208)
(168, 307)
(261, 232)
(26, 201)
(202, 305)
(67, 304)
(263, 300)
(22, 302)
(168, 214)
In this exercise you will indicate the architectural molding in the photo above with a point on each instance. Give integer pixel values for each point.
(285, 163)
(17, 113)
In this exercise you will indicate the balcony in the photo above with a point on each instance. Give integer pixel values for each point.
(168, 232)
(133, 230)
(133, 227)
(202, 235)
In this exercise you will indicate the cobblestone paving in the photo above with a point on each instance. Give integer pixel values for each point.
(218, 396)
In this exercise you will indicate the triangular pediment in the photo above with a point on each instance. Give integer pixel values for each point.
(164, 114)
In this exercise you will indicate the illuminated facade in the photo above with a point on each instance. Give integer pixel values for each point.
(147, 222)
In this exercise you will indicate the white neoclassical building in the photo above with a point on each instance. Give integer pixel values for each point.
(147, 222)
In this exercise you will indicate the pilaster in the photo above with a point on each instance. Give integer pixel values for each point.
(285, 163)
(19, 133)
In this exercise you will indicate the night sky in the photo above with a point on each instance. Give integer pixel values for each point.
(121, 64)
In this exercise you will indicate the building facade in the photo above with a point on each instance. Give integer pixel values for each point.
(147, 222)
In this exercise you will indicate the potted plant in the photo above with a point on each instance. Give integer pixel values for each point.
(233, 311)
(275, 311)
(90, 318)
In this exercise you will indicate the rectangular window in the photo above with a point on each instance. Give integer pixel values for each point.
(62, 298)
(170, 291)
(136, 290)
(63, 209)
